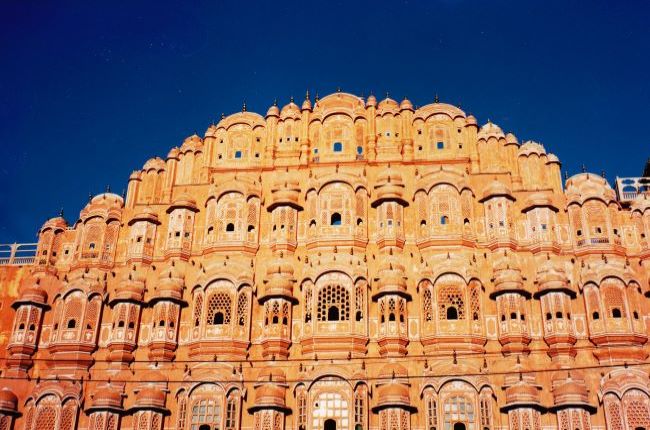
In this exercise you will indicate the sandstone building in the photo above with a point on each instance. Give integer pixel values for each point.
(345, 264)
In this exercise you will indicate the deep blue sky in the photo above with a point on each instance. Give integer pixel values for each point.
(90, 90)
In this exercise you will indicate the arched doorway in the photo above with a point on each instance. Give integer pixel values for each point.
(459, 426)
(330, 424)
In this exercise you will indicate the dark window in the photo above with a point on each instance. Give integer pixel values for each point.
(161, 323)
(391, 317)
(459, 426)
(452, 313)
(218, 318)
(251, 228)
(358, 316)
(558, 315)
(444, 219)
(131, 324)
(440, 145)
(616, 313)
(635, 314)
(230, 227)
(337, 147)
(335, 219)
(331, 425)
(21, 326)
(595, 315)
(513, 315)
(548, 315)
(359, 150)
(72, 324)
(120, 324)
(237, 154)
(333, 313)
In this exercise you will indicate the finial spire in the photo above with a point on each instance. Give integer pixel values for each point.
(243, 108)
(584, 168)
(108, 188)
(387, 94)
(602, 173)
(436, 99)
(566, 175)
(307, 95)
(291, 99)
(61, 212)
(338, 89)
(223, 115)
(316, 98)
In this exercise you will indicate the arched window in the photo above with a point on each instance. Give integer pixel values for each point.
(330, 424)
(458, 426)
(72, 324)
(218, 318)
(335, 219)
(230, 227)
(444, 220)
(359, 150)
(333, 303)
(595, 316)
(616, 313)
(452, 313)
(337, 147)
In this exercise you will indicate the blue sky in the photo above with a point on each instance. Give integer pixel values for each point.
(90, 90)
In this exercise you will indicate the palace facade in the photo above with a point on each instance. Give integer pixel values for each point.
(345, 264)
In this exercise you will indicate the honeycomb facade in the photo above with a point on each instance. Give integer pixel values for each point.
(347, 264)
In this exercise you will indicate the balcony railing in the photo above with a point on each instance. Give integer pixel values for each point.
(17, 254)
(628, 189)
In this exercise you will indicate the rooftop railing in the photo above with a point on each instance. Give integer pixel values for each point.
(628, 189)
(17, 254)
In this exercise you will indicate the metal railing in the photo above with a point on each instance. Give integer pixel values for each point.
(628, 189)
(17, 254)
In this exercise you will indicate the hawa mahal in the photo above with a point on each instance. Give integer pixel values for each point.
(343, 264)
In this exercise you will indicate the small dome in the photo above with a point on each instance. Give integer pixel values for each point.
(8, 401)
(471, 120)
(406, 104)
(290, 109)
(391, 278)
(155, 163)
(522, 393)
(539, 200)
(393, 394)
(389, 187)
(371, 101)
(531, 147)
(173, 153)
(192, 143)
(170, 285)
(584, 186)
(106, 397)
(56, 223)
(279, 280)
(32, 295)
(490, 130)
(508, 278)
(131, 287)
(285, 192)
(150, 397)
(511, 139)
(552, 158)
(183, 201)
(496, 188)
(388, 104)
(551, 276)
(107, 199)
(273, 110)
(570, 391)
(306, 104)
(135, 175)
(146, 214)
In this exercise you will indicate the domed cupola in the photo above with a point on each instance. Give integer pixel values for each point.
(522, 392)
(8, 407)
(585, 186)
(406, 105)
(391, 278)
(530, 147)
(171, 283)
(371, 101)
(552, 277)
(511, 297)
(393, 398)
(290, 110)
(471, 121)
(285, 192)
(496, 188)
(388, 105)
(511, 139)
(273, 111)
(106, 397)
(131, 288)
(306, 104)
(277, 300)
(192, 143)
(490, 130)
(389, 187)
(570, 391)
(270, 392)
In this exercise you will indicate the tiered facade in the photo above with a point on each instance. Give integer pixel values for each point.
(341, 265)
